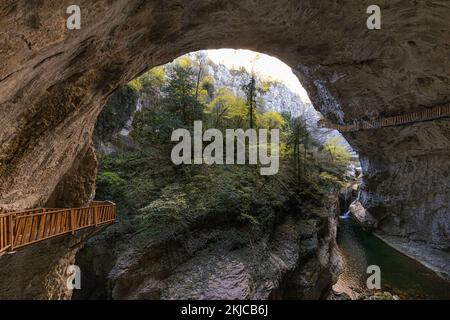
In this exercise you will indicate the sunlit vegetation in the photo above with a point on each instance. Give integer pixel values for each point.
(167, 199)
(337, 152)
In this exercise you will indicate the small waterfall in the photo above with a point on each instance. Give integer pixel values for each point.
(346, 215)
(346, 198)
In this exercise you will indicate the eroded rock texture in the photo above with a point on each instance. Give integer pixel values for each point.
(299, 259)
(78, 184)
(40, 271)
(54, 82)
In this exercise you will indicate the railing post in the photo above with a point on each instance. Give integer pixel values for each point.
(95, 216)
(11, 232)
(72, 221)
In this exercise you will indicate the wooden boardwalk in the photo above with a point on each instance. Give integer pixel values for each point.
(434, 113)
(20, 229)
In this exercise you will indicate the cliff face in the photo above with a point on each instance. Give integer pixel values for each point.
(54, 82)
(115, 117)
(299, 259)
(407, 192)
(40, 271)
(277, 97)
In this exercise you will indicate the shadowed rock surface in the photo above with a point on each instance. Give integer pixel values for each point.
(54, 82)
(40, 271)
(297, 260)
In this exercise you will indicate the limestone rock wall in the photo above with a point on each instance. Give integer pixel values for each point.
(78, 184)
(54, 82)
(40, 271)
(298, 260)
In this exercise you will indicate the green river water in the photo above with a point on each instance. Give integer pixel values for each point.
(400, 274)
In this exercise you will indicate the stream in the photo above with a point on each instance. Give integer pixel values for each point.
(400, 275)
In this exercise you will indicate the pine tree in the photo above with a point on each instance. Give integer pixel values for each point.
(250, 92)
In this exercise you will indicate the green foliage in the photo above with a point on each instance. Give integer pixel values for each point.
(165, 200)
(207, 84)
(109, 185)
(131, 178)
(183, 63)
(237, 195)
(250, 92)
(295, 131)
(265, 86)
(226, 110)
(330, 180)
(154, 125)
(337, 151)
(154, 77)
(178, 108)
(135, 85)
(151, 84)
(114, 116)
(109, 178)
(271, 120)
(180, 99)
(171, 208)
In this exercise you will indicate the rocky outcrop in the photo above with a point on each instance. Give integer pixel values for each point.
(298, 260)
(54, 82)
(40, 271)
(434, 259)
(77, 187)
(364, 218)
(275, 96)
(418, 208)
(313, 277)
(114, 118)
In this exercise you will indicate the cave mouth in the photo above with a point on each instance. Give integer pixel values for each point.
(132, 137)
(55, 83)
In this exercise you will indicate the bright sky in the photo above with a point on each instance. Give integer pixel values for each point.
(265, 65)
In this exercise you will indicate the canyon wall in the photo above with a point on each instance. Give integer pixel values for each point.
(54, 82)
(295, 258)
(40, 271)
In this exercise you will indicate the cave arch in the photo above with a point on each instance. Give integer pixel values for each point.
(54, 82)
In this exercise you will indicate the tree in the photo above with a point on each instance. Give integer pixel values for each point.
(337, 152)
(226, 110)
(179, 93)
(199, 58)
(298, 140)
(154, 125)
(207, 88)
(271, 120)
(178, 107)
(150, 84)
(250, 92)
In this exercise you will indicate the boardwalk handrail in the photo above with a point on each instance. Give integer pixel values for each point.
(19, 229)
(433, 113)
